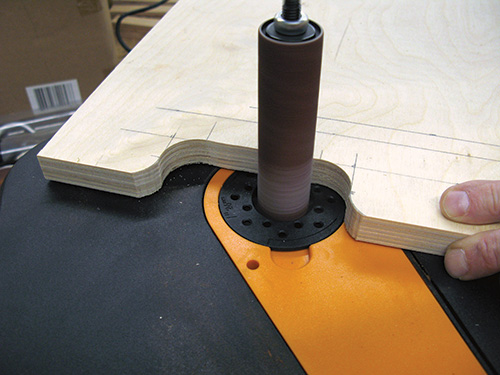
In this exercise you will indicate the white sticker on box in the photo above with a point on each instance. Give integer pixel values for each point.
(54, 96)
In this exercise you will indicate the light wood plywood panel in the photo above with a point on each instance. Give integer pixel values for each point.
(409, 105)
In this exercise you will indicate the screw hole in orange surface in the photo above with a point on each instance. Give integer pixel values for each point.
(253, 264)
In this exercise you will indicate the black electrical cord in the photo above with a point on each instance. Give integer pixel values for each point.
(131, 13)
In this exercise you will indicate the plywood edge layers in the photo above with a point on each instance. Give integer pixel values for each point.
(150, 180)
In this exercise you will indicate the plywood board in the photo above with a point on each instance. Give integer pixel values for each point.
(409, 105)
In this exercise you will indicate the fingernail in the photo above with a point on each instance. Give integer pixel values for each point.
(456, 263)
(456, 203)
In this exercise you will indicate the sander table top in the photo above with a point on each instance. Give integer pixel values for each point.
(94, 282)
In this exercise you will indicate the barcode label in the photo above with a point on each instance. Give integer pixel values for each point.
(53, 96)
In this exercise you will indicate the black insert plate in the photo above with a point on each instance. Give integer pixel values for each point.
(238, 206)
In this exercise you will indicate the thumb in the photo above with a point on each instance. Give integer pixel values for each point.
(474, 256)
(473, 202)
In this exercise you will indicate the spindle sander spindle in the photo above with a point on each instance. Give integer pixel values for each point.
(227, 271)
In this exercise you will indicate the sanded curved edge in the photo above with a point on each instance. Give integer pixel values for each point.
(376, 230)
(150, 180)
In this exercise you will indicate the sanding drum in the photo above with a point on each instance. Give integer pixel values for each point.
(289, 78)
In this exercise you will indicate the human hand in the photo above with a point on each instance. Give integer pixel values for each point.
(473, 202)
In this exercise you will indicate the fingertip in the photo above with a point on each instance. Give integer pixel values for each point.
(472, 202)
(455, 204)
(455, 262)
(474, 256)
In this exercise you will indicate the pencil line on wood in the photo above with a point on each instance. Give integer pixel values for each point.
(360, 138)
(207, 115)
(148, 133)
(99, 160)
(393, 173)
(341, 40)
(172, 139)
(211, 130)
(344, 121)
(410, 131)
(409, 146)
(354, 168)
(405, 175)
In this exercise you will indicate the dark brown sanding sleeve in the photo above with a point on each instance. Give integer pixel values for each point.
(289, 77)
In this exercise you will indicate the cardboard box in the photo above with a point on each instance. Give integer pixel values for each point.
(54, 54)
